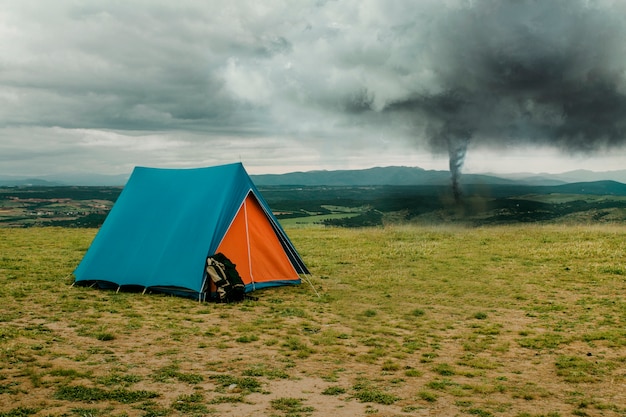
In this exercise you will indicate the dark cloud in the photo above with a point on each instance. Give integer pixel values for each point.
(523, 71)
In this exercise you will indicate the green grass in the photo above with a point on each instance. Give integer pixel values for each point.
(316, 220)
(91, 394)
(19, 412)
(291, 406)
(190, 404)
(512, 321)
(263, 370)
(365, 391)
(171, 373)
(429, 396)
(334, 390)
(246, 384)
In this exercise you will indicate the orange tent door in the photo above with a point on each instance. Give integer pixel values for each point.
(251, 244)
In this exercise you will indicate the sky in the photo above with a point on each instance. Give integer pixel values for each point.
(501, 86)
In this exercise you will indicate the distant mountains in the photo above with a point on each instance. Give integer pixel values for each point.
(419, 176)
(393, 175)
(64, 180)
(371, 176)
(591, 187)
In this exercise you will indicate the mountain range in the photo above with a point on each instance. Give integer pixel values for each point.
(393, 175)
(418, 176)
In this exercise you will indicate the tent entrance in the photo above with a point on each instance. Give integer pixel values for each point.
(252, 244)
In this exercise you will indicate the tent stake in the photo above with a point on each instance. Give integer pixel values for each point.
(118, 289)
(144, 290)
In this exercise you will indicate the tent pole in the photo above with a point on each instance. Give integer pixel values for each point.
(204, 290)
(118, 289)
(245, 212)
(144, 290)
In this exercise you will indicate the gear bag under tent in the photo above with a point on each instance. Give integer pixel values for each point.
(166, 222)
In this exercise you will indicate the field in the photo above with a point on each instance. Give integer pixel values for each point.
(56, 206)
(350, 206)
(521, 321)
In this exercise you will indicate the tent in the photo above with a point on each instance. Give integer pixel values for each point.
(166, 222)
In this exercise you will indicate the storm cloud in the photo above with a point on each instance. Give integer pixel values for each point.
(114, 84)
(524, 71)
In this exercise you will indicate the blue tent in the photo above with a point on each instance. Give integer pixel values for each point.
(167, 221)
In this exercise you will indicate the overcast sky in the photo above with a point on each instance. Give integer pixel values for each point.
(101, 86)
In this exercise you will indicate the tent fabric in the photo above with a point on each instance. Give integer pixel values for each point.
(253, 247)
(167, 221)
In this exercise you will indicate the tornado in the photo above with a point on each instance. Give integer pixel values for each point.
(457, 148)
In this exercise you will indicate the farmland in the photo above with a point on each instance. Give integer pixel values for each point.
(350, 206)
(522, 320)
(56, 206)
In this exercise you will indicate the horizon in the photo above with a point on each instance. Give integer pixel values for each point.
(488, 163)
(95, 179)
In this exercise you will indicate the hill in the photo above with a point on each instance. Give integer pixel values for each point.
(372, 176)
(27, 182)
(579, 175)
(410, 176)
(76, 179)
(610, 188)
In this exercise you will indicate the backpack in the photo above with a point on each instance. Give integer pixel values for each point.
(229, 285)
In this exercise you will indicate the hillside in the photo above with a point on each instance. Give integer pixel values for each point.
(406, 176)
(410, 176)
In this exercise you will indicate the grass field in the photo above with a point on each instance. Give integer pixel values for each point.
(521, 321)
